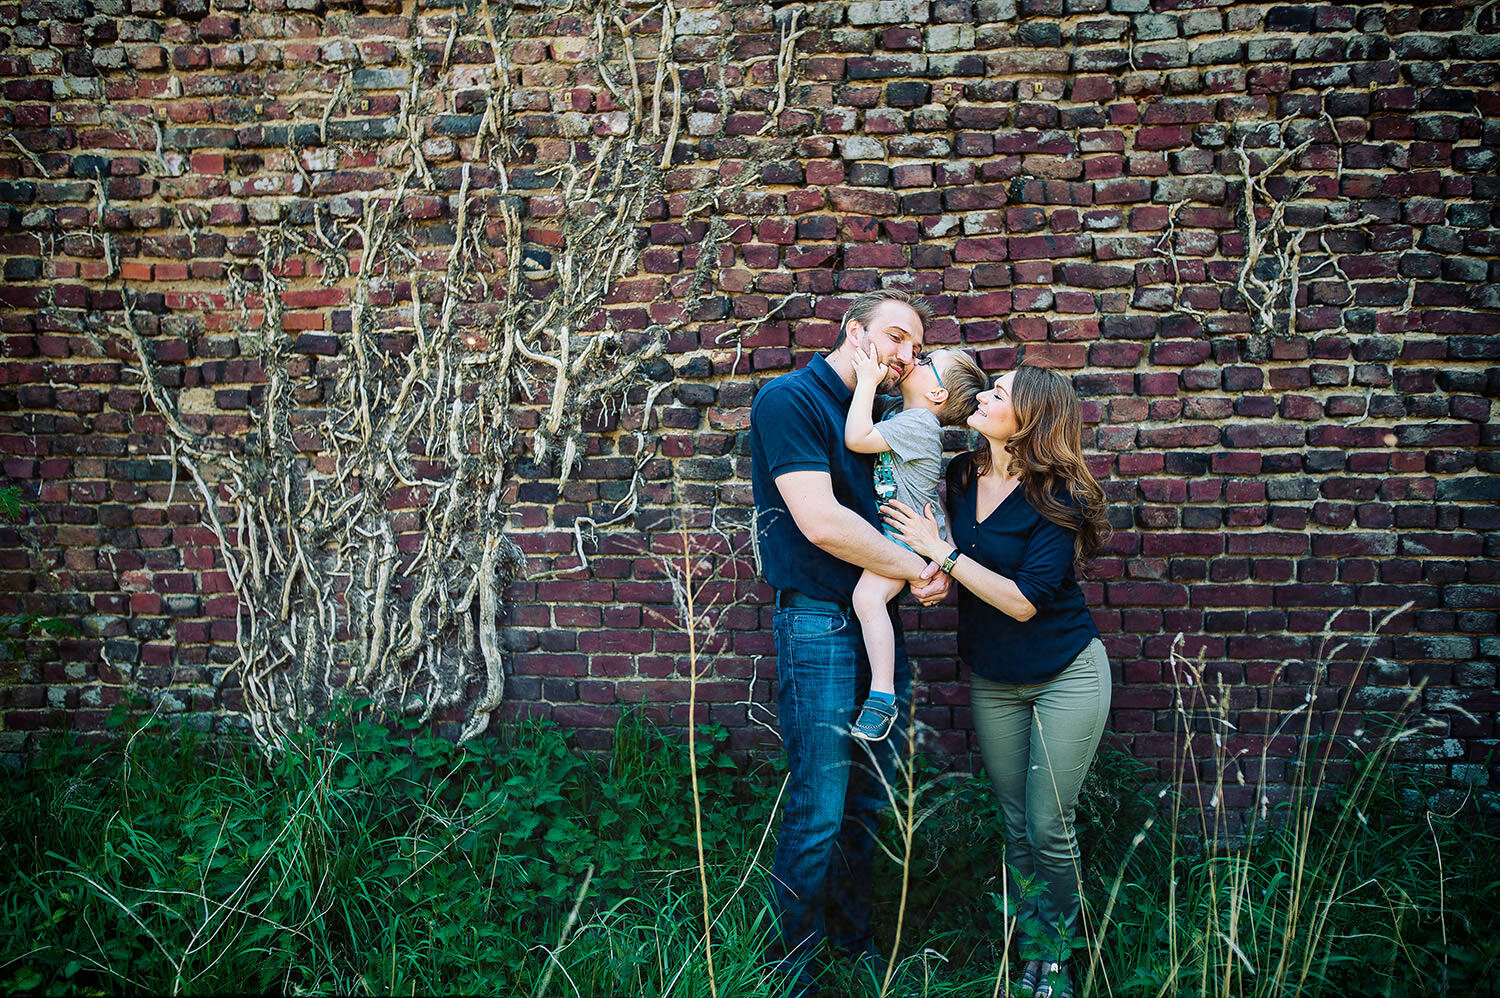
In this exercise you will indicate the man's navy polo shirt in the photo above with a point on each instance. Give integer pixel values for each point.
(797, 424)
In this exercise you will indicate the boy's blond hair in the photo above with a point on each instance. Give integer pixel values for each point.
(964, 379)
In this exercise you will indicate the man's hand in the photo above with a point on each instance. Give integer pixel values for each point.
(935, 588)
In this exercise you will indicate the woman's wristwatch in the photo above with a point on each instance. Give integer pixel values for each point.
(950, 561)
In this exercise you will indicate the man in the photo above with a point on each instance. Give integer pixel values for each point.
(817, 527)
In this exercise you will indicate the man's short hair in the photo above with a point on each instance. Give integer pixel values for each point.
(861, 308)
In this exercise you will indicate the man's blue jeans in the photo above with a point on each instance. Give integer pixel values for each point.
(824, 853)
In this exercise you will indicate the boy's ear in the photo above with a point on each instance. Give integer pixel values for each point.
(938, 395)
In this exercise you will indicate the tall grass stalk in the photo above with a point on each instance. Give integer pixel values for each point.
(908, 826)
(750, 867)
(1259, 909)
(562, 939)
(1002, 976)
(691, 623)
(909, 810)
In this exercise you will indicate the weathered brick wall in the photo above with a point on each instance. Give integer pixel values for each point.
(1062, 178)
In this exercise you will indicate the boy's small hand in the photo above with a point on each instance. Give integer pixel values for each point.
(866, 367)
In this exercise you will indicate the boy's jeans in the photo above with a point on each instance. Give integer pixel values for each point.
(821, 874)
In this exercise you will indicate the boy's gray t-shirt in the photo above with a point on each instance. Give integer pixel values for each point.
(914, 463)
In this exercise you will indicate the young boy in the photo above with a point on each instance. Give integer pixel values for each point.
(939, 392)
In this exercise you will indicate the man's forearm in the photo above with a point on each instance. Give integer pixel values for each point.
(840, 531)
(849, 538)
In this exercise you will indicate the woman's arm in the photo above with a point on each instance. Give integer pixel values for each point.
(860, 434)
(921, 534)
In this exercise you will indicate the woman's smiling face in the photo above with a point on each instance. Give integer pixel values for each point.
(994, 418)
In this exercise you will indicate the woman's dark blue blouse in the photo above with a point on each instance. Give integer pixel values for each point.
(1024, 546)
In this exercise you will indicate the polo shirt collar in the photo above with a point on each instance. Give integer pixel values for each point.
(824, 372)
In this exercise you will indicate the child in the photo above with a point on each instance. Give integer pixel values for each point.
(940, 391)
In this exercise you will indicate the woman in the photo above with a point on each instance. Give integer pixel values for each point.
(1024, 509)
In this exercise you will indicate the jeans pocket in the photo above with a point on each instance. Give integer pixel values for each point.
(811, 624)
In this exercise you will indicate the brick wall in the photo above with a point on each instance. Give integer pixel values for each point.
(1065, 181)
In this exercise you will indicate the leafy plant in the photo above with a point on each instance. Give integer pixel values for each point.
(375, 858)
(368, 858)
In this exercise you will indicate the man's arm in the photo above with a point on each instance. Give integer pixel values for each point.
(846, 535)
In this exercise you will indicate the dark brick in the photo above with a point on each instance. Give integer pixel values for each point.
(1258, 481)
(907, 93)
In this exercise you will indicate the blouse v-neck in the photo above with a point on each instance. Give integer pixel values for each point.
(1004, 499)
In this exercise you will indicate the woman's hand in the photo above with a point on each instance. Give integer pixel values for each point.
(867, 369)
(920, 533)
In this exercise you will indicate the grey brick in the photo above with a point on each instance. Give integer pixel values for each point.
(1170, 190)
(1466, 269)
(381, 79)
(991, 11)
(122, 650)
(454, 124)
(1106, 29)
(1216, 52)
(889, 12)
(1420, 47)
(1472, 597)
(70, 87)
(1201, 22)
(1269, 49)
(1477, 47)
(1474, 488)
(950, 37)
(861, 147)
(1155, 27)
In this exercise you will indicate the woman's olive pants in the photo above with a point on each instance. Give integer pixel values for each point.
(1038, 740)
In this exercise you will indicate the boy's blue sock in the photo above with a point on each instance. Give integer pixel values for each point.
(889, 699)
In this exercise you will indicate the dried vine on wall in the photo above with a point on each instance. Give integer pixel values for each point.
(363, 519)
(1293, 226)
(1283, 253)
(1285, 222)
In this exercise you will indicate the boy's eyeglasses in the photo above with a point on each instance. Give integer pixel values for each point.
(927, 361)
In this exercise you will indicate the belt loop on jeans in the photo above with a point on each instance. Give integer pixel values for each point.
(787, 598)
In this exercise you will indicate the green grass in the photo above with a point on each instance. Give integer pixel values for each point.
(368, 861)
(375, 861)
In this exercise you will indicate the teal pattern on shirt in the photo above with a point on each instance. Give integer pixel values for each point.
(885, 477)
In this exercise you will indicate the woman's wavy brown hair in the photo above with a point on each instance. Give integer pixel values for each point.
(1046, 453)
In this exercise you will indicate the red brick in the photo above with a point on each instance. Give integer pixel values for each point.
(1267, 492)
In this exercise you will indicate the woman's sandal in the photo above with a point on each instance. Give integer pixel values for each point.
(1055, 982)
(1030, 977)
(874, 721)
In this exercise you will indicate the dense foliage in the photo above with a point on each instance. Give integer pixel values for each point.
(375, 860)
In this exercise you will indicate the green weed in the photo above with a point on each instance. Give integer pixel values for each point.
(363, 860)
(369, 859)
